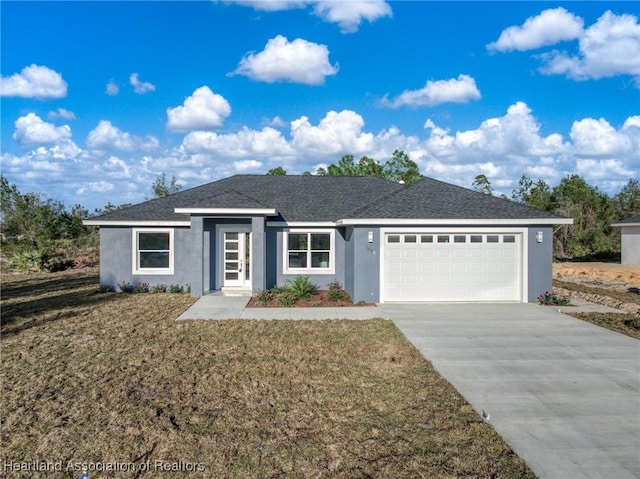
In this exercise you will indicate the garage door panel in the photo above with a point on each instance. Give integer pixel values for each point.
(453, 267)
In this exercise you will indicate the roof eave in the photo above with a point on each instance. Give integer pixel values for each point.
(98, 222)
(462, 222)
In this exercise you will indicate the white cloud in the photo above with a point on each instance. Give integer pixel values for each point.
(336, 134)
(347, 14)
(454, 90)
(112, 88)
(34, 81)
(502, 147)
(298, 61)
(61, 113)
(31, 129)
(140, 87)
(244, 166)
(203, 110)
(608, 48)
(598, 138)
(275, 122)
(108, 137)
(96, 187)
(267, 143)
(548, 28)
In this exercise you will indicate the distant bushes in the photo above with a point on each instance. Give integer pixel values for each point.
(143, 287)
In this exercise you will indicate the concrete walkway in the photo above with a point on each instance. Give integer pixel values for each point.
(565, 394)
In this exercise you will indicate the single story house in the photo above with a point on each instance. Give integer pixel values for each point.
(630, 240)
(382, 241)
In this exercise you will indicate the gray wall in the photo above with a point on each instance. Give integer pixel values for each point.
(116, 258)
(540, 261)
(630, 243)
(365, 257)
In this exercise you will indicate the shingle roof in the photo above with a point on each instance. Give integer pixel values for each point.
(433, 199)
(309, 198)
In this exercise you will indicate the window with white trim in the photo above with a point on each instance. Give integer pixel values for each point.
(152, 251)
(309, 251)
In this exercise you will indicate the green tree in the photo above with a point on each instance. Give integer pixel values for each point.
(482, 184)
(401, 168)
(279, 171)
(536, 194)
(592, 211)
(627, 201)
(398, 168)
(161, 188)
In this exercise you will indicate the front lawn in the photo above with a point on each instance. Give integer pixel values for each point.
(113, 379)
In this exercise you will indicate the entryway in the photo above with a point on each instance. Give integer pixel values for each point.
(235, 258)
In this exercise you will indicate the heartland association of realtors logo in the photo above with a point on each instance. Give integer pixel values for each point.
(85, 467)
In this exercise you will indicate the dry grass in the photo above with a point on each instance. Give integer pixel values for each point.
(630, 296)
(113, 378)
(628, 324)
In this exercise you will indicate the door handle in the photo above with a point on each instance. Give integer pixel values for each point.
(240, 267)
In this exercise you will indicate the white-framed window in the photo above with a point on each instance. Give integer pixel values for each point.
(310, 251)
(152, 251)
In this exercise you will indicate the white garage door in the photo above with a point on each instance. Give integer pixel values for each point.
(452, 267)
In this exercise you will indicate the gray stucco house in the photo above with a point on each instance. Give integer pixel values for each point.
(383, 241)
(630, 240)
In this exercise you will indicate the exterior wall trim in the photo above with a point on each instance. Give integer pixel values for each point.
(302, 224)
(453, 222)
(135, 223)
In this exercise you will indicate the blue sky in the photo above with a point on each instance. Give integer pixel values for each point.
(100, 97)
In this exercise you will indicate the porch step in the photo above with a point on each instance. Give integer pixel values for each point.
(230, 291)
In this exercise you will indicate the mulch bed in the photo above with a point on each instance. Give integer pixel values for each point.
(317, 300)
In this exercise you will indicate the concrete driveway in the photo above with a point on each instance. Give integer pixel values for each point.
(563, 393)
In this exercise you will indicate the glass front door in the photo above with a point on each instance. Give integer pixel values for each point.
(236, 256)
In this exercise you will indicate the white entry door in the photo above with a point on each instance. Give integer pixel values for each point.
(236, 258)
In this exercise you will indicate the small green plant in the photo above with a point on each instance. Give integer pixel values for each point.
(107, 288)
(263, 297)
(30, 260)
(336, 293)
(142, 287)
(175, 288)
(286, 298)
(550, 298)
(301, 287)
(158, 288)
(126, 287)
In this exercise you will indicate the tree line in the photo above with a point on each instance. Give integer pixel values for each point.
(42, 233)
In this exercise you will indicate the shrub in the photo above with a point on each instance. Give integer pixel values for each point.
(286, 298)
(301, 287)
(549, 298)
(126, 287)
(336, 293)
(263, 297)
(175, 288)
(142, 288)
(28, 260)
(107, 288)
(158, 288)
